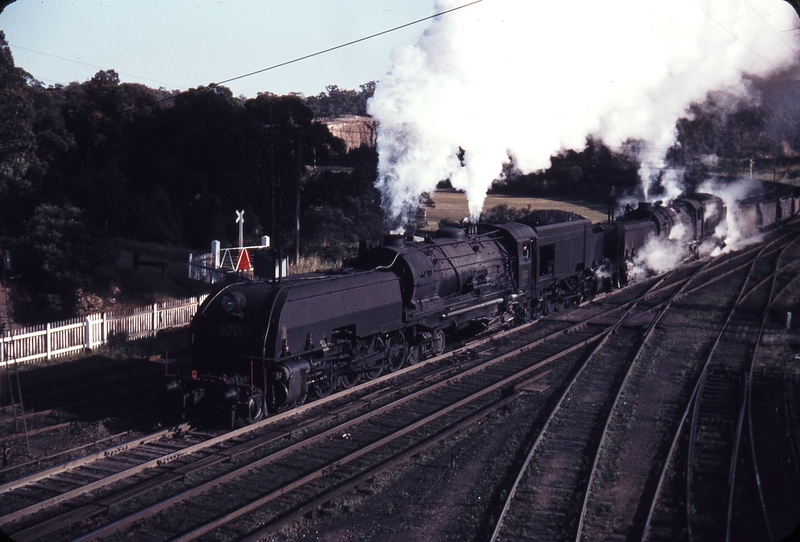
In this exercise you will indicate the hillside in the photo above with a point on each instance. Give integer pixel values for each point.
(355, 130)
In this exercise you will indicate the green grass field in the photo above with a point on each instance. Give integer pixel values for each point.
(453, 205)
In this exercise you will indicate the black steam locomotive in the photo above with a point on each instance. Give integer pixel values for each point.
(688, 221)
(260, 346)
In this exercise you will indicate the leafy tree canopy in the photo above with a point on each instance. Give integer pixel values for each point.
(336, 102)
(104, 159)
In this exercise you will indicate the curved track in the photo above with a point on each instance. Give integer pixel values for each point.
(195, 482)
(616, 478)
(385, 420)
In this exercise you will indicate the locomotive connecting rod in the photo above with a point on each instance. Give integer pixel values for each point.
(471, 308)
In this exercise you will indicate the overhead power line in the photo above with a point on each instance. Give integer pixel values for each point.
(15, 46)
(322, 52)
(349, 43)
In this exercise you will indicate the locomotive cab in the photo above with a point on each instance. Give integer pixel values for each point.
(565, 256)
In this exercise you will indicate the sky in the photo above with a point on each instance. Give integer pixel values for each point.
(181, 45)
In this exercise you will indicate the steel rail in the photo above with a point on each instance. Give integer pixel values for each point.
(735, 456)
(184, 427)
(246, 429)
(748, 402)
(338, 395)
(793, 422)
(382, 466)
(694, 400)
(335, 464)
(256, 426)
(648, 334)
(557, 408)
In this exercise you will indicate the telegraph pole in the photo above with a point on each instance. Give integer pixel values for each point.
(271, 173)
(297, 202)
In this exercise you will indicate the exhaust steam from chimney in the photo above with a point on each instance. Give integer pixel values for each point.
(510, 80)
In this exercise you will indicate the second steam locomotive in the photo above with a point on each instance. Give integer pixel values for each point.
(260, 346)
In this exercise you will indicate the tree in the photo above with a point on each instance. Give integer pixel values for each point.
(31, 130)
(53, 261)
(336, 102)
(340, 210)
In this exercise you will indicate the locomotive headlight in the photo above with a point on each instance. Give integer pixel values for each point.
(233, 302)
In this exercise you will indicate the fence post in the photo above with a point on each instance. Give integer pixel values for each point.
(104, 332)
(48, 343)
(133, 325)
(215, 246)
(155, 318)
(88, 334)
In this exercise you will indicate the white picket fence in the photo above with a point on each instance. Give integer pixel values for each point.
(32, 343)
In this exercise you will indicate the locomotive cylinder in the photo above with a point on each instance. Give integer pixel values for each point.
(289, 382)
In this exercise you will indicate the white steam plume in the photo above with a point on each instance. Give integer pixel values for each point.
(734, 235)
(527, 79)
(659, 255)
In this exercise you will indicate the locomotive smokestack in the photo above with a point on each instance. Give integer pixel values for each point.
(394, 240)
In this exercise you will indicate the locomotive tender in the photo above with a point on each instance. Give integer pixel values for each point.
(260, 346)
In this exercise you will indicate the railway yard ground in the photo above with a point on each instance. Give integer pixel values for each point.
(668, 410)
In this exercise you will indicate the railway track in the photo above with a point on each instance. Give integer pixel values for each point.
(63, 416)
(486, 379)
(547, 492)
(186, 483)
(558, 475)
(720, 457)
(688, 366)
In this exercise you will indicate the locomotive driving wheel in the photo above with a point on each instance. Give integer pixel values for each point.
(366, 376)
(553, 301)
(377, 345)
(549, 305)
(396, 352)
(538, 309)
(323, 386)
(347, 381)
(588, 289)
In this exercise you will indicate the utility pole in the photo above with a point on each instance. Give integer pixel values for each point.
(297, 201)
(271, 173)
